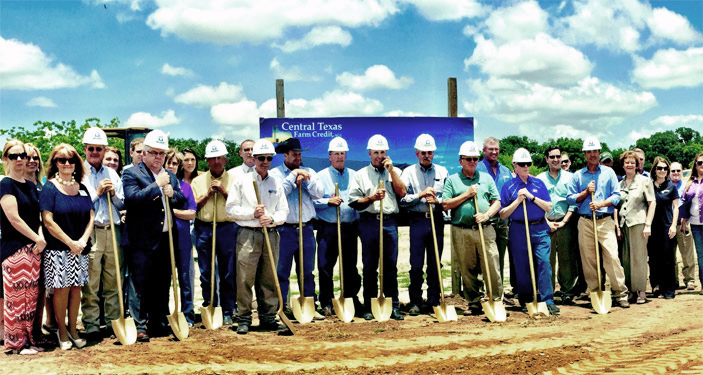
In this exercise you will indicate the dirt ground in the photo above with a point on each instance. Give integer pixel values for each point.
(660, 337)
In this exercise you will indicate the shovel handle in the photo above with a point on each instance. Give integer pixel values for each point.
(483, 251)
(595, 237)
(301, 268)
(339, 245)
(212, 261)
(118, 273)
(436, 254)
(529, 252)
(380, 244)
(174, 280)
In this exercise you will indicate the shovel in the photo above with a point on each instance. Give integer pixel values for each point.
(343, 307)
(125, 329)
(533, 307)
(280, 313)
(177, 321)
(303, 307)
(494, 310)
(211, 315)
(381, 308)
(443, 312)
(600, 300)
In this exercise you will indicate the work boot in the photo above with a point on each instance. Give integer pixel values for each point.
(395, 315)
(368, 316)
(553, 309)
(227, 321)
(289, 313)
(414, 310)
(622, 302)
(269, 326)
(243, 328)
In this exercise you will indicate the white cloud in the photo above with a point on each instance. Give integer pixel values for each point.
(666, 24)
(317, 36)
(148, 120)
(670, 68)
(291, 74)
(542, 60)
(231, 22)
(41, 101)
(449, 10)
(677, 121)
(241, 119)
(334, 103)
(207, 96)
(376, 77)
(169, 70)
(25, 67)
(400, 113)
(523, 21)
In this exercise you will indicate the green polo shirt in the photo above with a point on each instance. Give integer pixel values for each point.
(558, 190)
(458, 183)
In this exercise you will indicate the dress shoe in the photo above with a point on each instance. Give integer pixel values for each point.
(414, 310)
(656, 292)
(395, 315)
(476, 310)
(368, 316)
(567, 300)
(553, 309)
(142, 336)
(78, 342)
(269, 326)
(243, 328)
(622, 302)
(63, 345)
(227, 320)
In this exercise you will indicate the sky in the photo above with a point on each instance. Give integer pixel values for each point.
(616, 69)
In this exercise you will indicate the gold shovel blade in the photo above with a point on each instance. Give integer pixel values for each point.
(494, 310)
(381, 308)
(344, 309)
(212, 316)
(179, 325)
(534, 308)
(445, 313)
(125, 330)
(303, 309)
(601, 301)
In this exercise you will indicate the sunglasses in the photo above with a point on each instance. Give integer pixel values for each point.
(470, 159)
(62, 161)
(554, 156)
(17, 156)
(264, 158)
(98, 149)
(525, 164)
(247, 149)
(675, 171)
(138, 151)
(426, 153)
(662, 168)
(565, 161)
(699, 163)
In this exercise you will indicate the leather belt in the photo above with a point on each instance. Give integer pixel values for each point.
(467, 226)
(294, 225)
(366, 215)
(534, 222)
(260, 229)
(598, 216)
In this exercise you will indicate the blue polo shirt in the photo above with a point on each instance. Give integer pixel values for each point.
(607, 187)
(501, 176)
(535, 186)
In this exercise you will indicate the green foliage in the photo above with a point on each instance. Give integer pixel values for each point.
(680, 145)
(233, 158)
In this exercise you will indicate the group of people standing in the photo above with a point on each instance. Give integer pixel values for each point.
(56, 237)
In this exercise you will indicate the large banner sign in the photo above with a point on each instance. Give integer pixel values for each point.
(315, 135)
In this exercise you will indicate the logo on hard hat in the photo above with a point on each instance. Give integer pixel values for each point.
(96, 135)
(214, 148)
(591, 143)
(160, 139)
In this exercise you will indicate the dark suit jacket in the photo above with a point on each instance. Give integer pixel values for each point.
(145, 211)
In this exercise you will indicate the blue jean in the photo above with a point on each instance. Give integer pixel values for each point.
(369, 226)
(697, 232)
(186, 273)
(327, 254)
(421, 244)
(288, 251)
(541, 248)
(225, 239)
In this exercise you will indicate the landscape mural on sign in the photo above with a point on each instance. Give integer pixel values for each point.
(315, 134)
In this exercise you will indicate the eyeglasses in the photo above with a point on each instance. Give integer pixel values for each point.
(62, 161)
(264, 158)
(172, 164)
(554, 156)
(155, 153)
(565, 161)
(470, 159)
(427, 153)
(675, 171)
(97, 149)
(247, 149)
(525, 164)
(17, 156)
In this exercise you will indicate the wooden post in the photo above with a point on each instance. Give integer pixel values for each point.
(280, 99)
(452, 109)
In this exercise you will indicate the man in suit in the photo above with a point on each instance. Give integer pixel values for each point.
(147, 186)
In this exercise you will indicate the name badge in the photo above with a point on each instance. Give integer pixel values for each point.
(82, 193)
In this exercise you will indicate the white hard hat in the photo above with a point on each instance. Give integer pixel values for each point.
(522, 156)
(94, 136)
(425, 142)
(377, 142)
(468, 148)
(262, 147)
(338, 144)
(215, 148)
(156, 139)
(590, 144)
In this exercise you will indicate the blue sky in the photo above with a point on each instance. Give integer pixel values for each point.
(620, 70)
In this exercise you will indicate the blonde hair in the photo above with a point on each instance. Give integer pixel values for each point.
(8, 145)
(52, 169)
(29, 148)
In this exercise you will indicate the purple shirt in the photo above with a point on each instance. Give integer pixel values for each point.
(695, 189)
(183, 240)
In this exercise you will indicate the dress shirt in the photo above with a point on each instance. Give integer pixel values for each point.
(201, 187)
(501, 176)
(417, 179)
(327, 178)
(242, 200)
(558, 190)
(91, 181)
(607, 187)
(365, 183)
(458, 183)
(311, 190)
(510, 193)
(692, 208)
(240, 170)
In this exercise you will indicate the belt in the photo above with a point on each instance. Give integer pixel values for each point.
(366, 215)
(535, 222)
(598, 216)
(467, 226)
(104, 226)
(260, 229)
(424, 215)
(293, 225)
(202, 222)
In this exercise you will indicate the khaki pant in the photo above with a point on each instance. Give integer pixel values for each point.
(634, 257)
(101, 269)
(254, 271)
(467, 246)
(609, 252)
(688, 254)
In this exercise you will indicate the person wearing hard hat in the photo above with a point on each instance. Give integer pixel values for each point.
(533, 192)
(458, 196)
(424, 182)
(100, 182)
(254, 268)
(292, 176)
(500, 174)
(326, 209)
(147, 186)
(365, 196)
(245, 152)
(563, 233)
(601, 182)
(211, 190)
